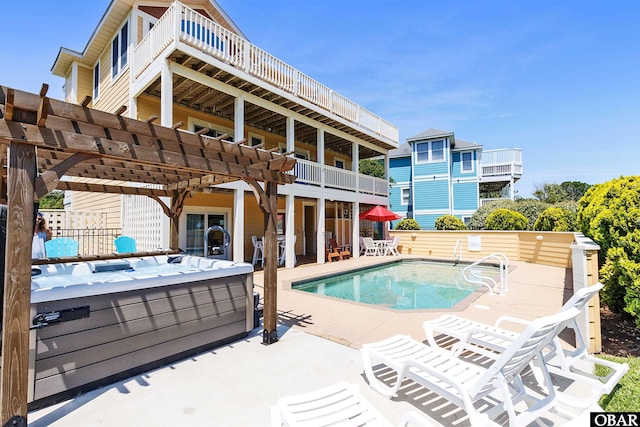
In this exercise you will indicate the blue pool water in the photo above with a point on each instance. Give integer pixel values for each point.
(402, 285)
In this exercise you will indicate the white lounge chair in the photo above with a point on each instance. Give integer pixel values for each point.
(339, 404)
(559, 362)
(465, 384)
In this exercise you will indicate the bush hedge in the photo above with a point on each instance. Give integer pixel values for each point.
(407, 224)
(556, 219)
(609, 214)
(450, 222)
(506, 219)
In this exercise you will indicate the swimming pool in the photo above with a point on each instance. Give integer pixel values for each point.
(400, 285)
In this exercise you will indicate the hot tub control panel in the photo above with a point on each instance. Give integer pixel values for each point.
(53, 317)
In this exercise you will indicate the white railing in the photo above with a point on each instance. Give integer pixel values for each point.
(503, 162)
(474, 275)
(155, 41)
(195, 30)
(309, 172)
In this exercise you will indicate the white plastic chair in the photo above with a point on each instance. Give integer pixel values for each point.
(370, 248)
(465, 384)
(283, 251)
(338, 404)
(563, 363)
(392, 247)
(258, 251)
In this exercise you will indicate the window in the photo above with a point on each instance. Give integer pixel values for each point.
(339, 163)
(298, 153)
(404, 196)
(255, 139)
(437, 151)
(422, 152)
(431, 151)
(96, 81)
(466, 161)
(212, 132)
(120, 50)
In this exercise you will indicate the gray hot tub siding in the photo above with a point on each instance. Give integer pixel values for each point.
(130, 332)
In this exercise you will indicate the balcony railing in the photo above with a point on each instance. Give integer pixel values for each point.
(504, 162)
(180, 23)
(308, 172)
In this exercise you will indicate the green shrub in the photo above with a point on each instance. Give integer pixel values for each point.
(479, 218)
(407, 224)
(506, 219)
(450, 222)
(531, 209)
(556, 219)
(609, 213)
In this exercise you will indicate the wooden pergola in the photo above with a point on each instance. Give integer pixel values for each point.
(46, 139)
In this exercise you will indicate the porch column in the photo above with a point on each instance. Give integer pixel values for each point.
(512, 193)
(320, 245)
(238, 225)
(320, 209)
(355, 206)
(320, 144)
(238, 119)
(290, 231)
(355, 238)
(290, 245)
(166, 95)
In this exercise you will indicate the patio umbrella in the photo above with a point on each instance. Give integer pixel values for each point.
(379, 214)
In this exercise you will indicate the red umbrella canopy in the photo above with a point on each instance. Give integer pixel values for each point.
(380, 214)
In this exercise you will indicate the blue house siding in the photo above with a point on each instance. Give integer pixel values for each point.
(431, 194)
(430, 169)
(401, 167)
(456, 165)
(465, 195)
(395, 198)
(428, 221)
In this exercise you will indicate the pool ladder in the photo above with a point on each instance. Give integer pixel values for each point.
(457, 250)
(474, 275)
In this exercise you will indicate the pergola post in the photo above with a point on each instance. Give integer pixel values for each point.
(17, 293)
(270, 332)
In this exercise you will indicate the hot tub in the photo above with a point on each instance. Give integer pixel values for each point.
(98, 322)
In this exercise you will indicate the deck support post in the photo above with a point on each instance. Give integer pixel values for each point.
(17, 290)
(270, 332)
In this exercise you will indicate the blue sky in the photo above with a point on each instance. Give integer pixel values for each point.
(559, 79)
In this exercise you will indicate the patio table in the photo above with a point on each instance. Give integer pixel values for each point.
(381, 246)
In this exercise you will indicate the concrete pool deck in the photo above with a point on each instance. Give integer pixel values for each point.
(319, 341)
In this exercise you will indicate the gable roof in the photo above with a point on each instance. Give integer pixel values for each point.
(403, 151)
(113, 17)
(431, 134)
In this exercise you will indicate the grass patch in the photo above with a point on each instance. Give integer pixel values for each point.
(626, 395)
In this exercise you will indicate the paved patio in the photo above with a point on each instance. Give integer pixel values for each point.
(234, 385)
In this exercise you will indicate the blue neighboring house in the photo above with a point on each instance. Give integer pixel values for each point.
(436, 174)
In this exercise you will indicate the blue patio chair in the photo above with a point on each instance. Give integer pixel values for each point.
(61, 246)
(125, 244)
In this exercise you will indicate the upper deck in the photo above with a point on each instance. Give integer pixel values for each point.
(193, 41)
